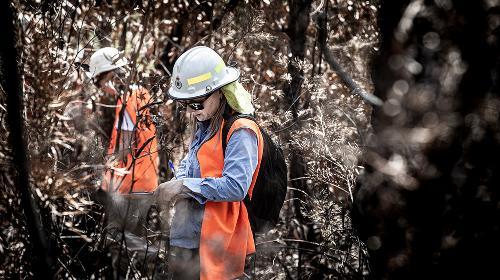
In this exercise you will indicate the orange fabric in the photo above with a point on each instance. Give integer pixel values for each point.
(142, 174)
(226, 236)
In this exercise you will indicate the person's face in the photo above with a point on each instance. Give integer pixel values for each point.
(210, 106)
(111, 79)
(106, 83)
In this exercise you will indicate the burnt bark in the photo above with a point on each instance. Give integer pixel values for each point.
(42, 261)
(176, 38)
(297, 25)
(298, 22)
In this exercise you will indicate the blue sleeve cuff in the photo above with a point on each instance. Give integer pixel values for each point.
(179, 175)
(194, 185)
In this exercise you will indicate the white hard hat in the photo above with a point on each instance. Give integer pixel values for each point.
(105, 59)
(198, 72)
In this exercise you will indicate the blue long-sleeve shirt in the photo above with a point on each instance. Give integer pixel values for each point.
(240, 162)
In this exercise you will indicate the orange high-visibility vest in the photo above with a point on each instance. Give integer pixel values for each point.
(226, 237)
(142, 172)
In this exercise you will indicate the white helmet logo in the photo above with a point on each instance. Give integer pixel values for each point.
(178, 83)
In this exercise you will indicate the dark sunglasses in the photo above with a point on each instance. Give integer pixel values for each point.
(197, 106)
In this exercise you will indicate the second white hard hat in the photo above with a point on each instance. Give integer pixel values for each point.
(105, 59)
(198, 72)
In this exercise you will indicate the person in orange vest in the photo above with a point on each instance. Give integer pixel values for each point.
(133, 149)
(210, 235)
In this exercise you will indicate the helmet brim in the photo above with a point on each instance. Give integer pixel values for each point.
(233, 75)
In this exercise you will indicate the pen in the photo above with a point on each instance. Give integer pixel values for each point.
(171, 165)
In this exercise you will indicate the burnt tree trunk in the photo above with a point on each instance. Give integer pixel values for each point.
(428, 205)
(298, 22)
(42, 261)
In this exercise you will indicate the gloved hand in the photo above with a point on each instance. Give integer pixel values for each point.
(168, 191)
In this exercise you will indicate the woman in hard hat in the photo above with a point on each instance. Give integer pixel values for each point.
(211, 226)
(133, 148)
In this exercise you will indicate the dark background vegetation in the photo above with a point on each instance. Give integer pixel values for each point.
(425, 206)
(428, 204)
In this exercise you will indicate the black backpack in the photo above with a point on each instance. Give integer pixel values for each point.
(270, 188)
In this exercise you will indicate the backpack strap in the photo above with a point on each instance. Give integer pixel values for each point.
(228, 122)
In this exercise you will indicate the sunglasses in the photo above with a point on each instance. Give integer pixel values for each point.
(195, 105)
